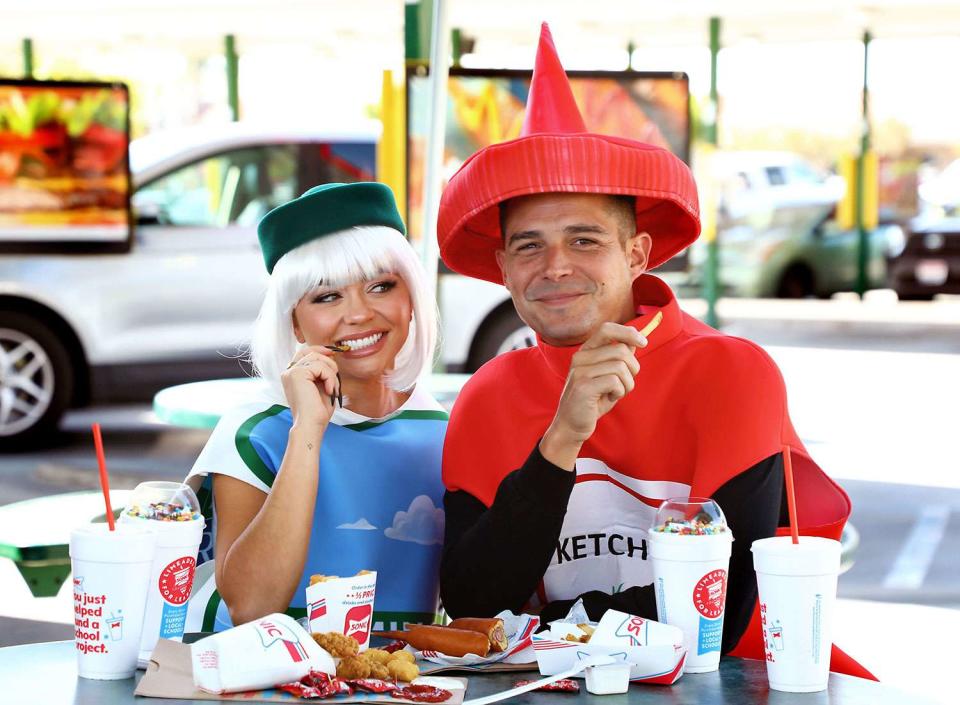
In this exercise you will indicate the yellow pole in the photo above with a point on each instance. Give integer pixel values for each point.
(392, 150)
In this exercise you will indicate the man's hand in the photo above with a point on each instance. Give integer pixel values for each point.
(601, 374)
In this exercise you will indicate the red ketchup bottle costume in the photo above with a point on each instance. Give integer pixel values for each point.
(708, 416)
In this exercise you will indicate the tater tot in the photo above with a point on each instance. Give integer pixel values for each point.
(403, 655)
(403, 670)
(378, 656)
(379, 670)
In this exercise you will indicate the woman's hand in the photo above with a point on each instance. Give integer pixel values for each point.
(309, 383)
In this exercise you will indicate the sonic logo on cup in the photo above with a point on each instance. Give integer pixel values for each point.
(356, 625)
(710, 592)
(176, 579)
(272, 634)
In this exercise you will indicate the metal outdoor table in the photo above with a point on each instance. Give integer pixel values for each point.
(47, 674)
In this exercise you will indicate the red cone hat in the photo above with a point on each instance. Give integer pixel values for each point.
(556, 154)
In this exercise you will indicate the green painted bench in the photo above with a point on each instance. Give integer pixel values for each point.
(35, 534)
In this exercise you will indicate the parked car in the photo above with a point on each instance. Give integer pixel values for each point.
(930, 261)
(795, 252)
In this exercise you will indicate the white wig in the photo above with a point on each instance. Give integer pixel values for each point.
(346, 257)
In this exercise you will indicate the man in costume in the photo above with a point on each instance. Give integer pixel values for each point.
(557, 456)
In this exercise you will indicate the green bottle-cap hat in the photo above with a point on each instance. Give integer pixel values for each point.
(322, 210)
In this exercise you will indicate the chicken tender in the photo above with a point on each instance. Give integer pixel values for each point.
(336, 644)
(403, 670)
(378, 656)
(353, 667)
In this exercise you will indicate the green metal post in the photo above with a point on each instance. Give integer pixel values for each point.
(411, 30)
(28, 58)
(417, 20)
(233, 93)
(631, 47)
(861, 173)
(712, 270)
(456, 44)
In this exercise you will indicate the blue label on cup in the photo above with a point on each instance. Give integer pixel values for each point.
(710, 635)
(172, 621)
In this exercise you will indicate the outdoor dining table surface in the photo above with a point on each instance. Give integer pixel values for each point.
(47, 673)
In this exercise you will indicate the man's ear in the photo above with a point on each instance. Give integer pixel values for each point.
(501, 262)
(638, 253)
(296, 327)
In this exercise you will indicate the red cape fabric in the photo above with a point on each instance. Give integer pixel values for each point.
(706, 407)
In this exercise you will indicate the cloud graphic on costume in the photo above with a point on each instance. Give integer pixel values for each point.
(360, 524)
(422, 523)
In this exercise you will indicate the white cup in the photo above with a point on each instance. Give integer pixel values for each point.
(690, 551)
(690, 583)
(798, 586)
(174, 562)
(111, 570)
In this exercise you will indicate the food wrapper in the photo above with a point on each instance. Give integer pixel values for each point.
(519, 630)
(170, 676)
(654, 650)
(343, 605)
(260, 654)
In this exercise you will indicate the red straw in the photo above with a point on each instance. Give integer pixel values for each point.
(104, 480)
(791, 496)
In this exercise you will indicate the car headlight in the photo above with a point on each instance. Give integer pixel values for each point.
(896, 240)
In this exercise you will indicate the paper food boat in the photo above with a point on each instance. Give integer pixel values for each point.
(654, 650)
(519, 630)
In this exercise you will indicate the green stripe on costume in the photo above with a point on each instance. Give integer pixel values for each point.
(210, 614)
(423, 415)
(245, 446)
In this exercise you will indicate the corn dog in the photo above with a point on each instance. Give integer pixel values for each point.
(431, 637)
(492, 628)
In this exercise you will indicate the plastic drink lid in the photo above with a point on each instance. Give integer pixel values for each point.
(127, 544)
(167, 502)
(814, 555)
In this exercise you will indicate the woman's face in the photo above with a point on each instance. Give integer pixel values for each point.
(372, 317)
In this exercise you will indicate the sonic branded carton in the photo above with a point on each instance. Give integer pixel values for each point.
(259, 654)
(343, 605)
(654, 651)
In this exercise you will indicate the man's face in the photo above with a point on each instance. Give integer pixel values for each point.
(568, 264)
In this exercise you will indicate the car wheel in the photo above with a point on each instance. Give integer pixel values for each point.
(796, 283)
(502, 332)
(36, 379)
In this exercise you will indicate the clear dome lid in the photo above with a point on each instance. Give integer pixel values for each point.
(162, 501)
(690, 516)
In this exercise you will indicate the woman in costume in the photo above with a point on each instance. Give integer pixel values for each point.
(337, 468)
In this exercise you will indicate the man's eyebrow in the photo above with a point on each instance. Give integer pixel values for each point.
(577, 228)
(524, 235)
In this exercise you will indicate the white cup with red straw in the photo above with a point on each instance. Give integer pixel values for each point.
(797, 584)
(111, 571)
